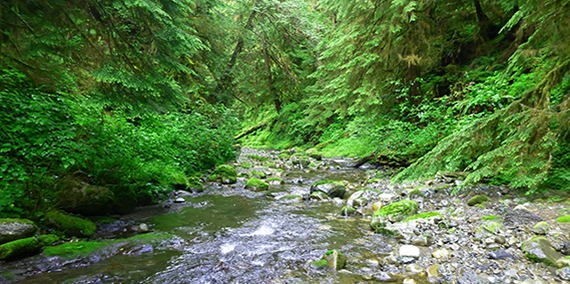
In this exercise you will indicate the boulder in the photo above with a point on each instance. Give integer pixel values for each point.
(564, 273)
(330, 188)
(256, 184)
(25, 247)
(394, 212)
(314, 153)
(70, 225)
(539, 249)
(15, 229)
(78, 196)
(224, 174)
(348, 211)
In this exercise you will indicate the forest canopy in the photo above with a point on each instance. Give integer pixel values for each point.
(141, 95)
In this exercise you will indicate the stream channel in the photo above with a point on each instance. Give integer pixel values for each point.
(229, 234)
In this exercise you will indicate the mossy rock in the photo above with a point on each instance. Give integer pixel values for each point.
(224, 174)
(72, 250)
(488, 228)
(416, 192)
(258, 174)
(284, 156)
(246, 165)
(492, 218)
(25, 247)
(425, 215)
(274, 179)
(259, 158)
(348, 211)
(335, 260)
(243, 175)
(70, 225)
(539, 249)
(394, 212)
(126, 200)
(477, 199)
(79, 197)
(563, 219)
(329, 187)
(541, 228)
(256, 184)
(314, 153)
(14, 229)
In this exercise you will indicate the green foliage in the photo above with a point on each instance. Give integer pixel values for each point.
(49, 136)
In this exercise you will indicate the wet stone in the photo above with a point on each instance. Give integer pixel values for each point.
(180, 200)
(409, 251)
(563, 273)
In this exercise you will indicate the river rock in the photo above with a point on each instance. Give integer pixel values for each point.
(519, 217)
(24, 247)
(409, 251)
(470, 277)
(541, 228)
(70, 225)
(393, 213)
(477, 199)
(563, 273)
(500, 254)
(303, 162)
(14, 229)
(348, 211)
(256, 184)
(335, 259)
(440, 253)
(224, 174)
(330, 188)
(538, 249)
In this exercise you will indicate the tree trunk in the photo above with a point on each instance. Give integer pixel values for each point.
(227, 76)
(272, 91)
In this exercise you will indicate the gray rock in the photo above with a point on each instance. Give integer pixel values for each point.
(330, 188)
(335, 260)
(520, 217)
(143, 228)
(566, 248)
(563, 273)
(180, 200)
(539, 249)
(541, 228)
(500, 254)
(15, 229)
(470, 277)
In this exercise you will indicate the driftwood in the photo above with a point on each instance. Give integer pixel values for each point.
(250, 130)
(383, 160)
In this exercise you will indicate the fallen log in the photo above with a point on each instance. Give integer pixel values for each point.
(250, 130)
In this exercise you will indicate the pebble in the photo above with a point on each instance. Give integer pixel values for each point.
(499, 254)
(440, 253)
(180, 200)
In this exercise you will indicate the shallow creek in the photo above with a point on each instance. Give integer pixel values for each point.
(229, 234)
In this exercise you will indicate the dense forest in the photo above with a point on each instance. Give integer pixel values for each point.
(134, 97)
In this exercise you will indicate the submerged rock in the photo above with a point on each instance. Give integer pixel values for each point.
(15, 229)
(335, 259)
(70, 225)
(330, 188)
(224, 174)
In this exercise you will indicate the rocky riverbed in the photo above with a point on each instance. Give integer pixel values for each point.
(294, 217)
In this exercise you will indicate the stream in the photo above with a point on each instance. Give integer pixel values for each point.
(230, 234)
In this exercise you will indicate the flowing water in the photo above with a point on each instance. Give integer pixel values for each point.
(229, 234)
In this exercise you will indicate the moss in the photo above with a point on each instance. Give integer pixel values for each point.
(244, 175)
(416, 192)
(541, 226)
(479, 206)
(48, 240)
(320, 263)
(246, 165)
(491, 218)
(223, 172)
(425, 215)
(313, 165)
(403, 207)
(347, 210)
(274, 179)
(451, 231)
(269, 164)
(72, 226)
(477, 199)
(258, 173)
(256, 183)
(19, 248)
(563, 219)
(74, 249)
(12, 220)
(374, 180)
